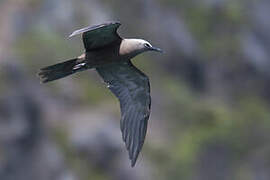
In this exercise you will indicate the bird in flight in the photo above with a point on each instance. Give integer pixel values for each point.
(110, 55)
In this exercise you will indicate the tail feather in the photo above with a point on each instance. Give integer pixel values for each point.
(59, 70)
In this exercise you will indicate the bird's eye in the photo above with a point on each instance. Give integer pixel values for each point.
(147, 45)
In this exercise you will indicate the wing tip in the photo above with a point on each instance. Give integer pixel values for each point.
(118, 23)
(133, 163)
(133, 157)
(71, 35)
(74, 33)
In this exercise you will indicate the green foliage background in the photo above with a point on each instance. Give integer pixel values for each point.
(210, 91)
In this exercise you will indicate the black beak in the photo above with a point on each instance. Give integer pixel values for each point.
(156, 49)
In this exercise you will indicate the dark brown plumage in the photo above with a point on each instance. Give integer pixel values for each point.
(110, 55)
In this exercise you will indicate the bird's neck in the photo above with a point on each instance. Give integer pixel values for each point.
(130, 48)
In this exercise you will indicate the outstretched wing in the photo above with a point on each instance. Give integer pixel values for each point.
(132, 88)
(98, 36)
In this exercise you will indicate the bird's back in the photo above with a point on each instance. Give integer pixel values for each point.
(105, 55)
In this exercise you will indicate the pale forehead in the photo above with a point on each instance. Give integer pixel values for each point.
(142, 41)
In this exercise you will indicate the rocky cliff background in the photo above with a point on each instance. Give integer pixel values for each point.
(210, 91)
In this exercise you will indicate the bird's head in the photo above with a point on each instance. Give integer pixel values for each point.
(145, 45)
(137, 46)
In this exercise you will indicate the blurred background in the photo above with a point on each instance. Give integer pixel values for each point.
(210, 91)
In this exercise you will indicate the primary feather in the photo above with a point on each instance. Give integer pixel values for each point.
(132, 88)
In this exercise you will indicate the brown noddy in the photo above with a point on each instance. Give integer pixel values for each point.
(110, 55)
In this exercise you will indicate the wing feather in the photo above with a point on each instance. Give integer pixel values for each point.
(132, 88)
(98, 36)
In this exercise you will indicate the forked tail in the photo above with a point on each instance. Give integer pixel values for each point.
(60, 70)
